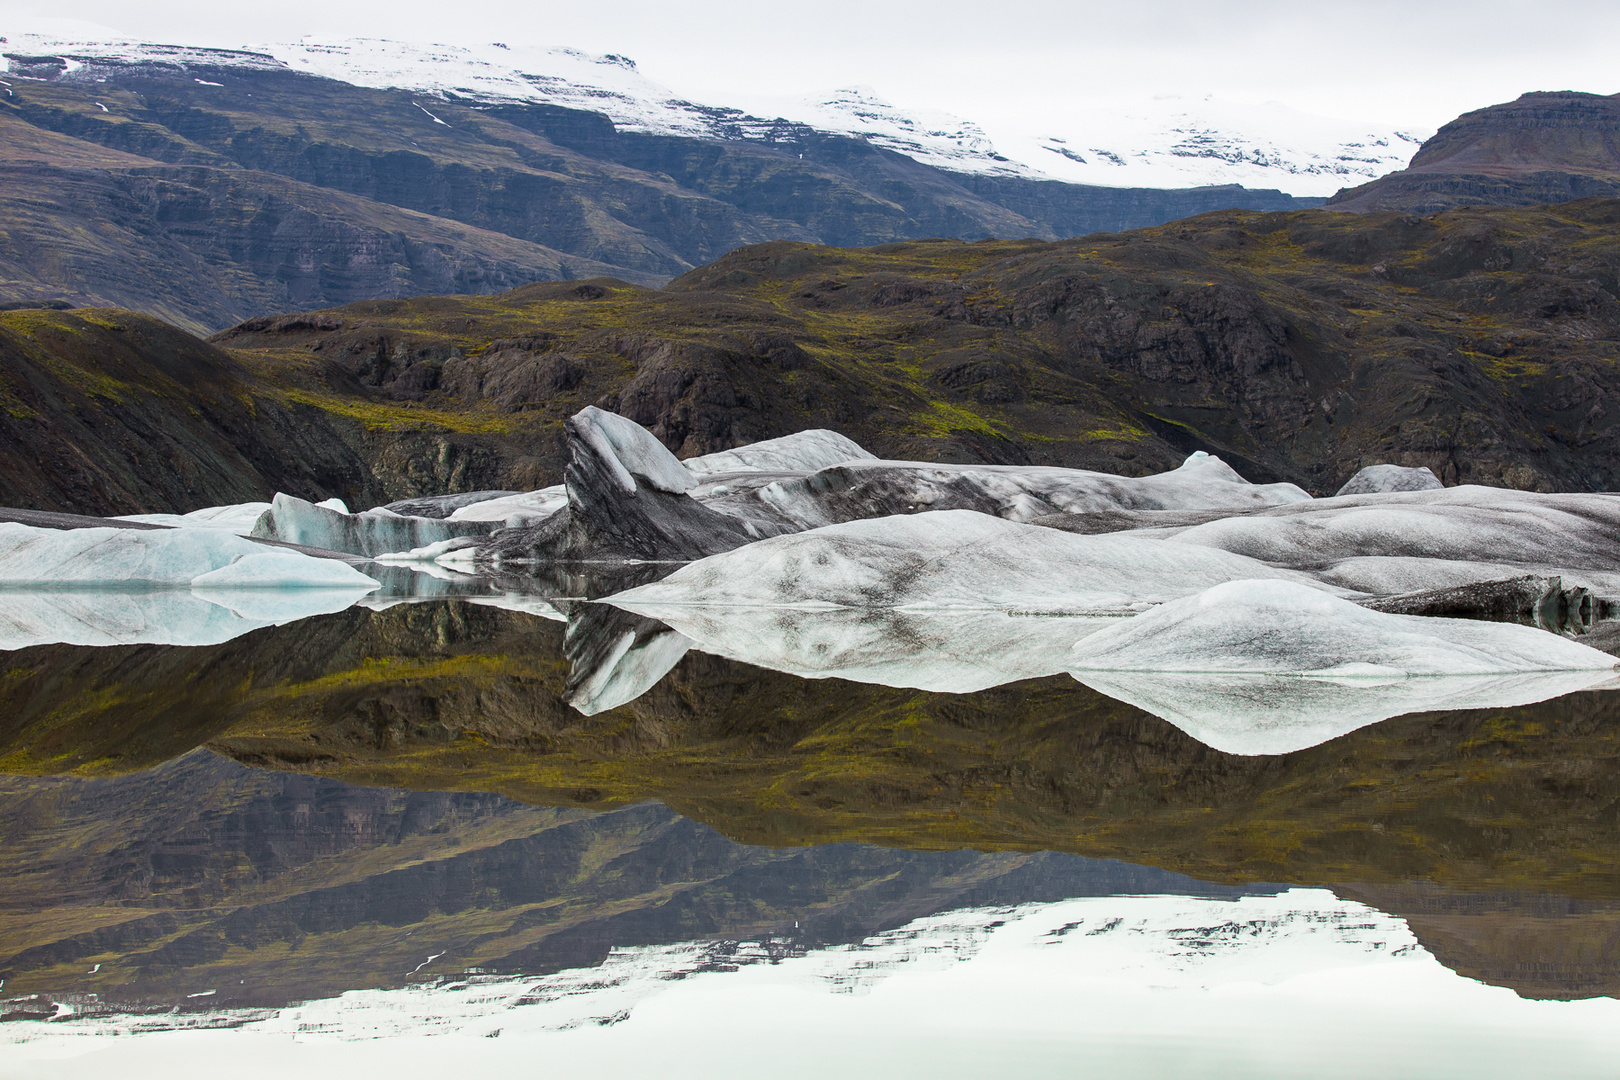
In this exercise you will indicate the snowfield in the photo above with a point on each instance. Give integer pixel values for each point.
(1115, 985)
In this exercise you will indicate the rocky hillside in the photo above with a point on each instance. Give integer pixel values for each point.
(1298, 346)
(203, 247)
(207, 192)
(1542, 148)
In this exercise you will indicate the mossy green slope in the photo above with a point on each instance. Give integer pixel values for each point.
(1299, 346)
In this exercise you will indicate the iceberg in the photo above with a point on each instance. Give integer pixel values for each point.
(1500, 526)
(949, 559)
(124, 558)
(628, 453)
(284, 569)
(804, 451)
(238, 518)
(113, 586)
(375, 532)
(441, 506)
(615, 657)
(1260, 714)
(872, 488)
(1279, 627)
(1390, 478)
(955, 652)
(30, 617)
(519, 508)
(277, 607)
(627, 501)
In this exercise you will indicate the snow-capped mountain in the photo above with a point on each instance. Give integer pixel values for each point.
(1160, 143)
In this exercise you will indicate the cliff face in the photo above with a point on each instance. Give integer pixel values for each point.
(297, 191)
(1541, 148)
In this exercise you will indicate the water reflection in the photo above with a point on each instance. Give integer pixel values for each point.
(202, 894)
(451, 815)
(268, 888)
(452, 695)
(619, 653)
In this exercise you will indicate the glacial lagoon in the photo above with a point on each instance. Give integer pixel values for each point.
(458, 824)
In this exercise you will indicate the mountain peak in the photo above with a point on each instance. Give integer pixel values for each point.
(1546, 146)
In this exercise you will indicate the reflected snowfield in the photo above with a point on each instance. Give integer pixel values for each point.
(1301, 983)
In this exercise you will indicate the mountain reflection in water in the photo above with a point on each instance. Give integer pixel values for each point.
(448, 797)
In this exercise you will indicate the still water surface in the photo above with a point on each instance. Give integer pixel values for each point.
(448, 834)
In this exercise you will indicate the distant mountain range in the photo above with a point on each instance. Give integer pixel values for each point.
(209, 186)
(1162, 142)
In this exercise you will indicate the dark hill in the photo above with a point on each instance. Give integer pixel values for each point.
(1542, 148)
(1299, 346)
(297, 191)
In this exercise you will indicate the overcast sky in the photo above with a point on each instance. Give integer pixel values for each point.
(1405, 62)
